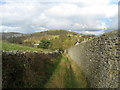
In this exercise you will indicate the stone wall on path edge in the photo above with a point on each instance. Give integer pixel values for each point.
(99, 59)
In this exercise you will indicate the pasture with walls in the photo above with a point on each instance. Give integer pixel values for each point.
(98, 58)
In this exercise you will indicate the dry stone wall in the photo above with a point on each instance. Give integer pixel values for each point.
(27, 69)
(99, 59)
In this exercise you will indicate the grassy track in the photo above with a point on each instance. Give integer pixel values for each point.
(67, 75)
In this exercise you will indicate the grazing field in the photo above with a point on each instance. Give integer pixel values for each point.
(10, 46)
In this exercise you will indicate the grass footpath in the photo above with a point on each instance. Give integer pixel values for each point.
(10, 47)
(67, 75)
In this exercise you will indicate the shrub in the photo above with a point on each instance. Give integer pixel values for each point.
(44, 44)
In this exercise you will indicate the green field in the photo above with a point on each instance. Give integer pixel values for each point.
(10, 46)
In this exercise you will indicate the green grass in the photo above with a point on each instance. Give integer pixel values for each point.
(10, 46)
(67, 75)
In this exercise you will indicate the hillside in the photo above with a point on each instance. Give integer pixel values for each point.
(53, 32)
(6, 35)
(60, 39)
(38, 34)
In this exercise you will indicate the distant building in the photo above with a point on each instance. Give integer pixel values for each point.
(66, 51)
(36, 45)
(78, 42)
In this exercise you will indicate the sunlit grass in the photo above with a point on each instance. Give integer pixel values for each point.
(10, 46)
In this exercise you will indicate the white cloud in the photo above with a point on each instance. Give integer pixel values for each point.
(69, 14)
(63, 10)
(68, 10)
(94, 32)
(8, 28)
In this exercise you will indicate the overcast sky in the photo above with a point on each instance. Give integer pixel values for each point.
(83, 16)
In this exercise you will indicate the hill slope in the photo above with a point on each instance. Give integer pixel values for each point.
(60, 39)
(7, 35)
(10, 47)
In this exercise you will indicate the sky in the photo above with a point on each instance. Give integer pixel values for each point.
(82, 16)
